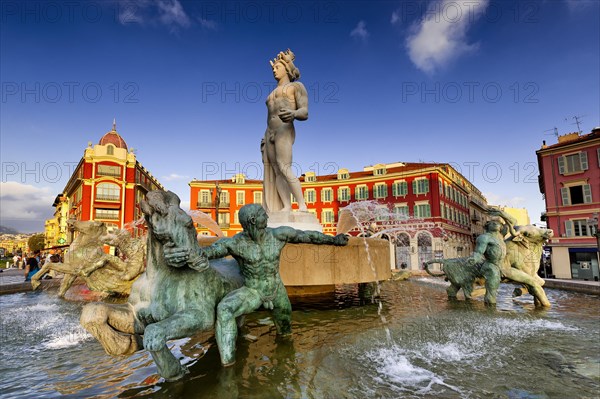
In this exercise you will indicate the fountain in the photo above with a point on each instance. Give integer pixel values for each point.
(411, 342)
(338, 349)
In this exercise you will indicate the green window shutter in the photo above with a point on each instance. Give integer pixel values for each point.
(395, 189)
(561, 165)
(564, 193)
(587, 193)
(414, 187)
(404, 189)
(569, 228)
(583, 159)
(425, 185)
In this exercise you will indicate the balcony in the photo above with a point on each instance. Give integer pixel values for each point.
(224, 225)
(108, 173)
(106, 216)
(202, 204)
(100, 197)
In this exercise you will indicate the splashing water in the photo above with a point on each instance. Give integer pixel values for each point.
(206, 221)
(374, 220)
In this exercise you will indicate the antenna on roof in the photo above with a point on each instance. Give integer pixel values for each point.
(577, 122)
(553, 130)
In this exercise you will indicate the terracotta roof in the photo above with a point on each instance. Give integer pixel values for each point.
(408, 167)
(113, 138)
(594, 134)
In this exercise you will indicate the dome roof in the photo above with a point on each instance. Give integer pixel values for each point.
(113, 138)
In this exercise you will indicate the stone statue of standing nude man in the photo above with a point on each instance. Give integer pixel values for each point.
(289, 101)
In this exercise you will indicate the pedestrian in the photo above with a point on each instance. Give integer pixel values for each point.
(32, 266)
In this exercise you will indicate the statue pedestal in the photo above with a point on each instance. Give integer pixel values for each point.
(296, 219)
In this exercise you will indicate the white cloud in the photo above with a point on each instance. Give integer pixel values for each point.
(25, 207)
(501, 200)
(395, 18)
(169, 13)
(175, 176)
(440, 36)
(360, 32)
(185, 205)
(208, 24)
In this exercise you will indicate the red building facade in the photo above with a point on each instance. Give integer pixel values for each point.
(108, 184)
(570, 181)
(434, 193)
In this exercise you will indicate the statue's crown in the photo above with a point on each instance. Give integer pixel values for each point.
(287, 57)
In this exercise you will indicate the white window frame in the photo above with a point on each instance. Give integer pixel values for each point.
(308, 193)
(357, 191)
(243, 197)
(327, 192)
(344, 198)
(380, 190)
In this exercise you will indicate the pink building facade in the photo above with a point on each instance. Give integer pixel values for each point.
(570, 181)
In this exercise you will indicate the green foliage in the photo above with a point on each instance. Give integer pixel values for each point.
(36, 242)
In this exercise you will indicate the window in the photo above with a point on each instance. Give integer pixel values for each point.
(442, 210)
(578, 228)
(224, 198)
(573, 195)
(380, 190)
(224, 219)
(422, 211)
(343, 174)
(239, 178)
(362, 192)
(327, 216)
(327, 195)
(310, 196)
(240, 197)
(110, 150)
(236, 217)
(310, 177)
(107, 214)
(108, 192)
(420, 186)
(382, 213)
(109, 170)
(399, 188)
(573, 163)
(401, 210)
(258, 198)
(204, 198)
(344, 194)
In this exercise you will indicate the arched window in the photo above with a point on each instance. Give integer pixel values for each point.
(108, 192)
(110, 149)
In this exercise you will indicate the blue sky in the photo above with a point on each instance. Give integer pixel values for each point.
(476, 83)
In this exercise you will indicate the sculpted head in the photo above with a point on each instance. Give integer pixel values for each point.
(164, 216)
(493, 225)
(253, 216)
(535, 234)
(284, 63)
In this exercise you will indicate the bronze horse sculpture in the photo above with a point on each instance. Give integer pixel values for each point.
(167, 301)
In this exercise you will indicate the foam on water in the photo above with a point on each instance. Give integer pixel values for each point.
(73, 338)
(396, 371)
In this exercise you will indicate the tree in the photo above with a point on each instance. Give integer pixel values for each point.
(36, 242)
